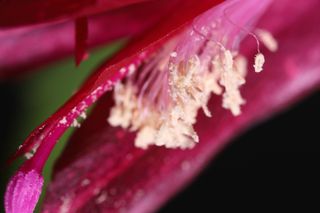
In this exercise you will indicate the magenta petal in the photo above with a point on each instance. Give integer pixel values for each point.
(81, 39)
(23, 192)
(20, 12)
(47, 134)
(109, 74)
(25, 48)
(102, 171)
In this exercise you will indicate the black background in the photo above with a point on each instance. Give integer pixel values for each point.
(274, 167)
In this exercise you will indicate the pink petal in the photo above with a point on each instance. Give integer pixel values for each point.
(23, 192)
(102, 171)
(47, 134)
(110, 73)
(25, 48)
(19, 12)
(81, 39)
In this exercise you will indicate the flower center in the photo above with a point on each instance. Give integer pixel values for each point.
(162, 98)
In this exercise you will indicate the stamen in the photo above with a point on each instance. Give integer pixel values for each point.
(162, 98)
(267, 39)
(125, 99)
(231, 78)
(258, 62)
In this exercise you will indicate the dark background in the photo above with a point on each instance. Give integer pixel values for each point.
(274, 167)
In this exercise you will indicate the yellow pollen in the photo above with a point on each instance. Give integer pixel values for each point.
(125, 99)
(258, 62)
(232, 77)
(163, 109)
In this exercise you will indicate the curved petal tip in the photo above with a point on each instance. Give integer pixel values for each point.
(23, 192)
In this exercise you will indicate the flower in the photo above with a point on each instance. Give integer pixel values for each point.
(172, 71)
